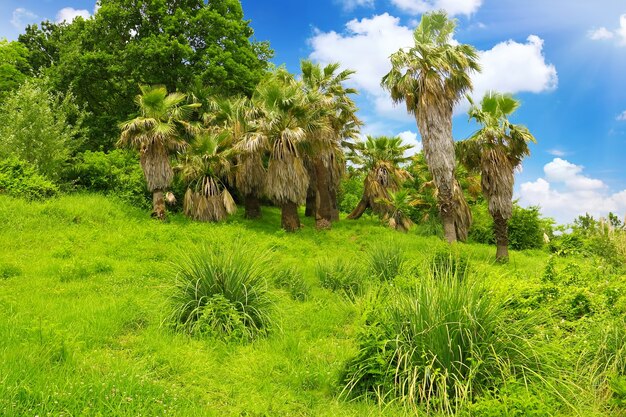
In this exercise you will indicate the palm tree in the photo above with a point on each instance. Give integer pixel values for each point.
(285, 124)
(204, 167)
(495, 150)
(159, 129)
(237, 118)
(380, 157)
(324, 87)
(431, 77)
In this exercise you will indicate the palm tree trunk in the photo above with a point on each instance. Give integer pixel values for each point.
(289, 216)
(359, 209)
(435, 126)
(334, 206)
(323, 216)
(253, 206)
(311, 193)
(158, 204)
(449, 230)
(502, 238)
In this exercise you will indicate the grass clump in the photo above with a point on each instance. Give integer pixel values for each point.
(385, 260)
(290, 279)
(222, 293)
(448, 263)
(341, 276)
(438, 344)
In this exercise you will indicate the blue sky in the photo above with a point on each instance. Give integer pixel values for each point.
(564, 59)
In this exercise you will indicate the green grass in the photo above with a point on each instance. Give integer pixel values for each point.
(85, 285)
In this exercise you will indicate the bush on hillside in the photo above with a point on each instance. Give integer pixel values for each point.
(221, 292)
(526, 227)
(21, 179)
(350, 192)
(116, 173)
(39, 127)
(438, 344)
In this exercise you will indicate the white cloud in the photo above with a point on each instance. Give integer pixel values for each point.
(366, 45)
(556, 152)
(68, 14)
(513, 67)
(410, 138)
(566, 193)
(603, 33)
(621, 117)
(96, 7)
(600, 33)
(353, 4)
(22, 17)
(453, 7)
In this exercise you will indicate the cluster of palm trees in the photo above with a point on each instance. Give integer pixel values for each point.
(286, 143)
(431, 77)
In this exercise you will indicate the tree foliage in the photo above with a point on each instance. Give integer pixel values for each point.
(104, 59)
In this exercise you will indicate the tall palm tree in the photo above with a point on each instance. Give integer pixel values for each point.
(380, 157)
(160, 128)
(431, 77)
(205, 167)
(285, 125)
(237, 118)
(324, 87)
(495, 150)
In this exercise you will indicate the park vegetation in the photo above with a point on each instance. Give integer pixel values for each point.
(357, 280)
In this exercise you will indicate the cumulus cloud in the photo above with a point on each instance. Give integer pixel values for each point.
(600, 33)
(68, 14)
(410, 138)
(22, 17)
(453, 7)
(603, 33)
(621, 117)
(513, 67)
(366, 45)
(565, 193)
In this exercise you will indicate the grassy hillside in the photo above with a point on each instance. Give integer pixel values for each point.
(84, 286)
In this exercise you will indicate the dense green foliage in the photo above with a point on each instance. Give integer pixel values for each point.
(14, 66)
(21, 179)
(127, 43)
(37, 127)
(115, 173)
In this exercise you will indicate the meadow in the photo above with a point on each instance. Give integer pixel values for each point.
(85, 287)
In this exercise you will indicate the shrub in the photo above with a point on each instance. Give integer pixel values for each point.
(439, 344)
(350, 192)
(526, 228)
(291, 280)
(385, 260)
(35, 127)
(221, 292)
(341, 276)
(117, 172)
(20, 179)
(481, 230)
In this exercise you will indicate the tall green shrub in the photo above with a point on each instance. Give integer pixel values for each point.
(35, 127)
